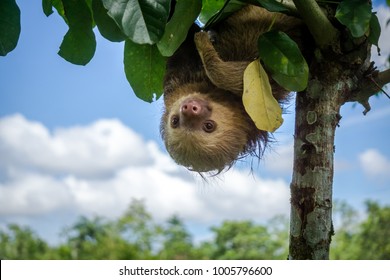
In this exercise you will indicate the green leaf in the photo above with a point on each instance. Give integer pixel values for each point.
(375, 30)
(78, 47)
(9, 26)
(177, 28)
(142, 21)
(229, 8)
(282, 57)
(59, 6)
(258, 100)
(89, 3)
(79, 44)
(47, 6)
(209, 9)
(355, 15)
(145, 69)
(106, 24)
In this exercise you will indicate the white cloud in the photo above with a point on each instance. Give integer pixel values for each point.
(280, 159)
(374, 163)
(98, 169)
(96, 150)
(383, 14)
(242, 196)
(33, 194)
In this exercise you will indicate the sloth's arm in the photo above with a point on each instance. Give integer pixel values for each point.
(227, 75)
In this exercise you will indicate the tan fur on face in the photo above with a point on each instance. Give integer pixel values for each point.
(201, 151)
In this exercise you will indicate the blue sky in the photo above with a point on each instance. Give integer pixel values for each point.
(76, 141)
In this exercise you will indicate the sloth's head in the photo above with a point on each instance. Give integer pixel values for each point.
(208, 132)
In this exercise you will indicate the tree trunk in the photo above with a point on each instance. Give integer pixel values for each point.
(340, 72)
(317, 115)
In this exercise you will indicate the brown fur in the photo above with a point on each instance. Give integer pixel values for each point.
(212, 74)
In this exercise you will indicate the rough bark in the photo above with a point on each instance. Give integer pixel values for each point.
(335, 80)
(340, 72)
(317, 115)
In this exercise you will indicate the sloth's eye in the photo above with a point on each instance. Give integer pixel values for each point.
(209, 126)
(174, 121)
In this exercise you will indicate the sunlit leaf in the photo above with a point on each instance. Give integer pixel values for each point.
(355, 15)
(9, 26)
(283, 59)
(142, 21)
(258, 100)
(145, 69)
(177, 28)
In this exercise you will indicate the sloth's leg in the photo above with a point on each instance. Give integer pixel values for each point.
(227, 75)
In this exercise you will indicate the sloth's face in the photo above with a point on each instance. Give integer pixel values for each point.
(202, 134)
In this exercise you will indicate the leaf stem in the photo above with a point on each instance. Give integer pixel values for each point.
(272, 23)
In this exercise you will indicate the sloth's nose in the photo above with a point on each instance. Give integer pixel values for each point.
(191, 108)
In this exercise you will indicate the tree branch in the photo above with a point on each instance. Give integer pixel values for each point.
(320, 27)
(383, 78)
(372, 84)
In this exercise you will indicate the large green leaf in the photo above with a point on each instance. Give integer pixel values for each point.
(145, 69)
(177, 28)
(9, 26)
(143, 21)
(283, 59)
(106, 24)
(79, 44)
(355, 15)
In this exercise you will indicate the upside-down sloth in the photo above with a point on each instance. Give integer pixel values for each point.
(204, 125)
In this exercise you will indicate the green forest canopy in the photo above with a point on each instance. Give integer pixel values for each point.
(136, 235)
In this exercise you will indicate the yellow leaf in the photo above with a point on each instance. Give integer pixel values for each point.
(258, 100)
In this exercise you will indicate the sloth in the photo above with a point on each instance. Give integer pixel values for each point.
(204, 124)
